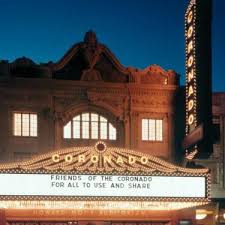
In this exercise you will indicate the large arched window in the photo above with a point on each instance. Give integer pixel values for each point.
(89, 126)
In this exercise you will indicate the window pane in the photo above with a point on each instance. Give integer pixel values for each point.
(103, 130)
(103, 119)
(25, 124)
(112, 132)
(94, 130)
(151, 127)
(33, 125)
(67, 130)
(17, 124)
(76, 129)
(159, 130)
(144, 129)
(94, 117)
(85, 129)
(90, 126)
(85, 117)
(77, 118)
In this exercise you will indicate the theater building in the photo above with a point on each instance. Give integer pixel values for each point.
(88, 141)
(88, 115)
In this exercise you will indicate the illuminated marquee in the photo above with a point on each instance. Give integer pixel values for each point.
(80, 186)
(101, 174)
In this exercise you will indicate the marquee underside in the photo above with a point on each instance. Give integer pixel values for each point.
(101, 205)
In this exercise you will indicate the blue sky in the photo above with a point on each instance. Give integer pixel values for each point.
(138, 32)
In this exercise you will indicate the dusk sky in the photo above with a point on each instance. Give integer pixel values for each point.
(138, 32)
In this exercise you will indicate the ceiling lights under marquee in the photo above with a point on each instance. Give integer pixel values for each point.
(100, 205)
(97, 161)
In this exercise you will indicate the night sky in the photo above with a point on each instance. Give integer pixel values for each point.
(138, 32)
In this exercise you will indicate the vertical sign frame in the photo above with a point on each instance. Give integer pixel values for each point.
(198, 140)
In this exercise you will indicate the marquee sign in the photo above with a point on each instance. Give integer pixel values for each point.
(100, 186)
(198, 79)
(101, 174)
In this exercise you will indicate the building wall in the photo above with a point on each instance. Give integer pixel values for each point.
(216, 162)
(56, 103)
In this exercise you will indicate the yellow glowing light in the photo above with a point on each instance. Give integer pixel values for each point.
(190, 61)
(190, 46)
(190, 105)
(190, 31)
(190, 16)
(55, 158)
(190, 91)
(201, 216)
(191, 119)
(190, 75)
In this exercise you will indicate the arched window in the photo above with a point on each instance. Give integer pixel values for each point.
(89, 126)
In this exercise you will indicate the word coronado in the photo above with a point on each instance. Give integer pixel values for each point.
(95, 159)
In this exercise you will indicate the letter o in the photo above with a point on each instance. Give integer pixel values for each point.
(68, 158)
(55, 158)
(94, 158)
(190, 61)
(144, 160)
(191, 119)
(190, 31)
(190, 104)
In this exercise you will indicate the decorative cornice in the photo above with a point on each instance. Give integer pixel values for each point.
(154, 74)
(75, 48)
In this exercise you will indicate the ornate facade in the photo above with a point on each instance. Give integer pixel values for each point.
(88, 79)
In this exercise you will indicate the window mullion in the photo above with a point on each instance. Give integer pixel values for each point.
(90, 126)
(71, 129)
(107, 130)
(99, 127)
(21, 119)
(81, 131)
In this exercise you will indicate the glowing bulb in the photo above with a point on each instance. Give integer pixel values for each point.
(201, 214)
